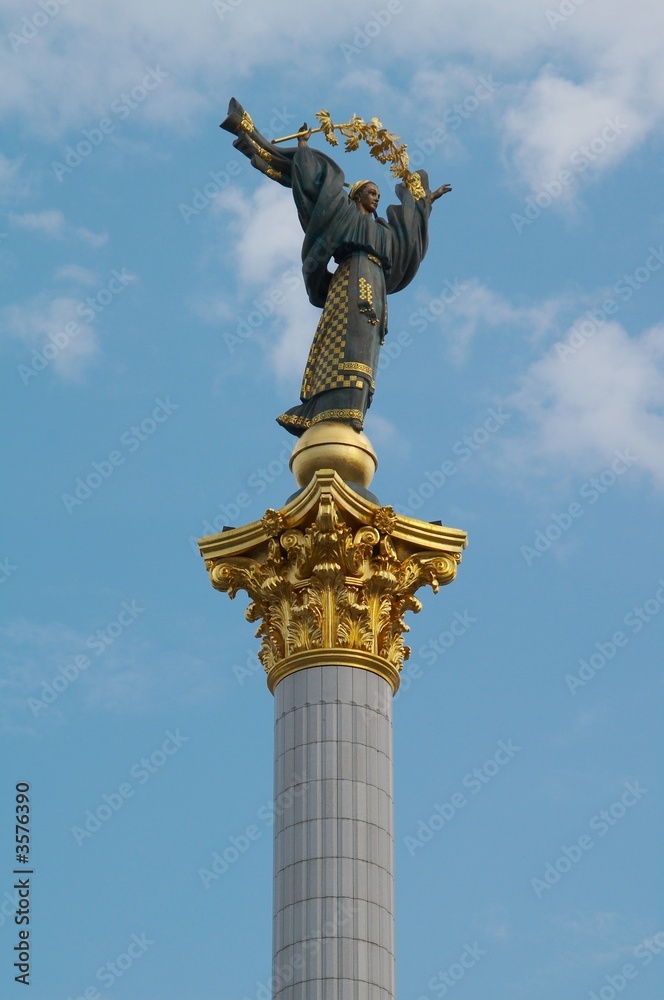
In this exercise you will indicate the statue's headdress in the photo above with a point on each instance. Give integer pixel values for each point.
(355, 189)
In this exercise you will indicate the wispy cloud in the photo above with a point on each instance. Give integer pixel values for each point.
(582, 128)
(608, 397)
(76, 274)
(42, 320)
(267, 234)
(468, 308)
(44, 679)
(52, 223)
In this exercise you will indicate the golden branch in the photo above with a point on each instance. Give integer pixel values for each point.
(383, 145)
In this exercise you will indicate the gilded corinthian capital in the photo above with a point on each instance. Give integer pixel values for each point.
(330, 577)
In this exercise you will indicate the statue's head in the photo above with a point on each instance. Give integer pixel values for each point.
(366, 196)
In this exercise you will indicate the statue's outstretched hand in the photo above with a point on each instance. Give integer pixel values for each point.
(303, 139)
(439, 192)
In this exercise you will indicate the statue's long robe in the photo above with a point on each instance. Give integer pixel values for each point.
(374, 257)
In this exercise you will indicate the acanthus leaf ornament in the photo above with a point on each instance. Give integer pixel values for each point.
(332, 574)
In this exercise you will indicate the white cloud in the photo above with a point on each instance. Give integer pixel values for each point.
(212, 309)
(127, 677)
(467, 307)
(91, 238)
(606, 398)
(560, 125)
(267, 234)
(23, 670)
(299, 320)
(76, 67)
(75, 273)
(11, 183)
(385, 437)
(50, 222)
(41, 322)
(138, 680)
(267, 242)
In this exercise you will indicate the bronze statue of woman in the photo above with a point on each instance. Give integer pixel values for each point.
(374, 258)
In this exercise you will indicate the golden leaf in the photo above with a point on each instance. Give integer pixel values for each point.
(325, 120)
(382, 143)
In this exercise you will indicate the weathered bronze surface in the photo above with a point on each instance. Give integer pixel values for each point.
(375, 257)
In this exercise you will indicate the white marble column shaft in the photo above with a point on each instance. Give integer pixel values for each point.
(333, 836)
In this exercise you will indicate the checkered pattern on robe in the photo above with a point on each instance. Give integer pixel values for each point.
(327, 367)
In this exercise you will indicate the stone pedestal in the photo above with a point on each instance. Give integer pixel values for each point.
(330, 577)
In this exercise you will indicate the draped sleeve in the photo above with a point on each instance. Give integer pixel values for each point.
(332, 225)
(409, 227)
(330, 221)
(323, 209)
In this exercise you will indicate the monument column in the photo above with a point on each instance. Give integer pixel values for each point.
(334, 850)
(330, 576)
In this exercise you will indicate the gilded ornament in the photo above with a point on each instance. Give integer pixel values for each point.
(385, 520)
(332, 573)
(273, 522)
(246, 123)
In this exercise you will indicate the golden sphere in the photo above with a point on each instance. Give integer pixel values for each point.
(331, 444)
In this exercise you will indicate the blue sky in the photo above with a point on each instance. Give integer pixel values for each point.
(154, 324)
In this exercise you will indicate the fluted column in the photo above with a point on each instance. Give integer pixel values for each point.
(330, 577)
(334, 844)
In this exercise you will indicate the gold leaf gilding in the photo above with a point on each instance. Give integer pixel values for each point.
(332, 583)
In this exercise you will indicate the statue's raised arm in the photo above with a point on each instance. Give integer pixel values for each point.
(374, 257)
